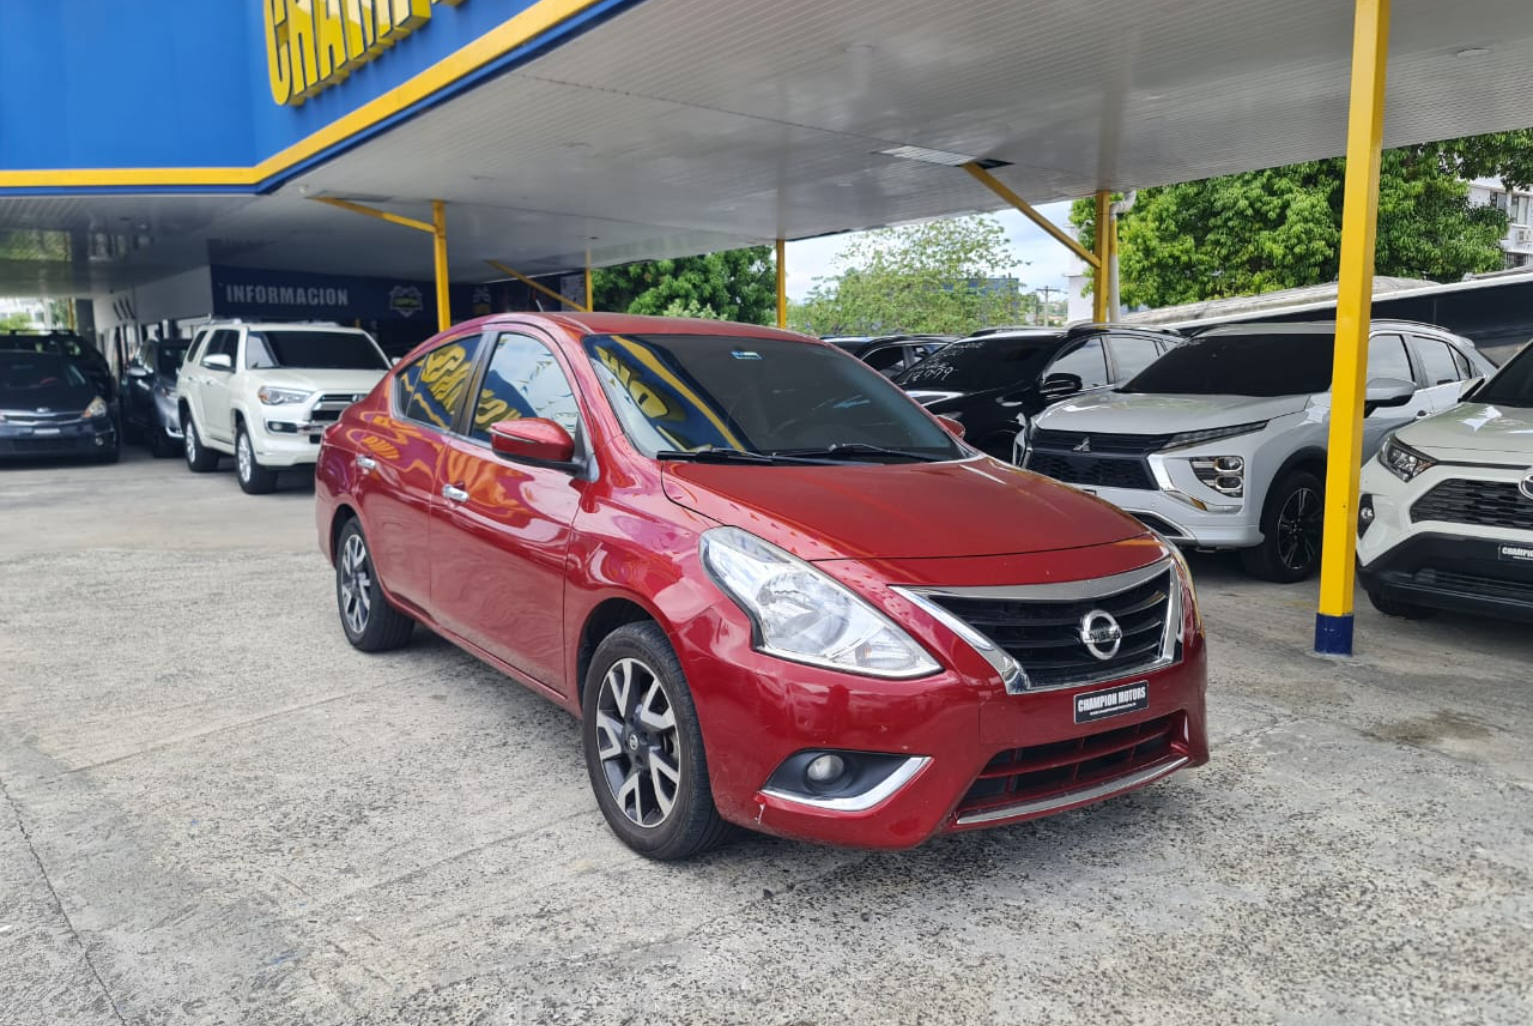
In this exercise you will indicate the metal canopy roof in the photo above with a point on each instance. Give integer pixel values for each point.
(682, 126)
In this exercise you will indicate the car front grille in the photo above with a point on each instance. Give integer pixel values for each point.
(1098, 471)
(1044, 635)
(329, 407)
(1037, 774)
(1484, 503)
(1100, 442)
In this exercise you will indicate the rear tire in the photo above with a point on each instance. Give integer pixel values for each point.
(254, 478)
(1403, 610)
(1292, 526)
(370, 623)
(644, 748)
(199, 458)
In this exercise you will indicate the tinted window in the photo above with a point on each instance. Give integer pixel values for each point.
(1258, 364)
(1387, 358)
(977, 364)
(432, 388)
(888, 361)
(757, 394)
(1465, 370)
(523, 380)
(319, 350)
(223, 343)
(1088, 362)
(1437, 362)
(167, 358)
(1513, 384)
(1132, 354)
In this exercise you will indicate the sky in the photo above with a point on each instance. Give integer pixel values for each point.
(1040, 260)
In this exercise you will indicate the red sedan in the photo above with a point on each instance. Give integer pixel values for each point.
(776, 591)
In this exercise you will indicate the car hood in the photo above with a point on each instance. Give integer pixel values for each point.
(973, 507)
(1133, 414)
(357, 382)
(57, 399)
(1479, 428)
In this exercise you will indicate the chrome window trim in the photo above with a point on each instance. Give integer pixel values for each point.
(884, 789)
(1014, 675)
(1138, 778)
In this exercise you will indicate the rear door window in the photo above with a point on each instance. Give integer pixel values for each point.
(1387, 358)
(1088, 361)
(888, 360)
(1437, 363)
(431, 389)
(1132, 354)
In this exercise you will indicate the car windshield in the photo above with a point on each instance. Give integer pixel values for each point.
(167, 359)
(1513, 384)
(1262, 364)
(694, 393)
(313, 350)
(25, 372)
(975, 365)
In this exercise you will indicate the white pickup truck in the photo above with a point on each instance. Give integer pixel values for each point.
(264, 393)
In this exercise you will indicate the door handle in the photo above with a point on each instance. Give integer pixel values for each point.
(454, 494)
(366, 463)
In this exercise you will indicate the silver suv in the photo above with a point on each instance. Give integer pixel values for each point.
(1222, 442)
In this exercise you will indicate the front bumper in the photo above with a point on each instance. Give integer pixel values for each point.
(1462, 574)
(296, 444)
(80, 438)
(1181, 522)
(993, 758)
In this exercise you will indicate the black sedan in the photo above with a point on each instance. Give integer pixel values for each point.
(995, 383)
(149, 395)
(890, 354)
(48, 407)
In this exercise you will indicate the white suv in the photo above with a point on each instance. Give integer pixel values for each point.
(263, 393)
(1445, 520)
(1222, 442)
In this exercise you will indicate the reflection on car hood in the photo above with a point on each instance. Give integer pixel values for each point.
(358, 382)
(1122, 413)
(973, 507)
(1478, 428)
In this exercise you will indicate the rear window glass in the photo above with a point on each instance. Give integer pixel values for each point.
(976, 365)
(1258, 364)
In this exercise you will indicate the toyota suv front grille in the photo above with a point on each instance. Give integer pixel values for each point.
(1485, 503)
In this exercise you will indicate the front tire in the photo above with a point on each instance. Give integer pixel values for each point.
(254, 478)
(644, 748)
(370, 623)
(1293, 522)
(199, 458)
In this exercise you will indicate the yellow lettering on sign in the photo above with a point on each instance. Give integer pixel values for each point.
(312, 45)
(330, 41)
(277, 65)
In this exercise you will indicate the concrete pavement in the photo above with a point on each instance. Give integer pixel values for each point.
(215, 811)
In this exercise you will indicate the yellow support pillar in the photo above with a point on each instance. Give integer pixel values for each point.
(590, 300)
(1103, 252)
(1349, 385)
(439, 248)
(782, 283)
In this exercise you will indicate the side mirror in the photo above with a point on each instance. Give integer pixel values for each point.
(138, 370)
(953, 427)
(218, 362)
(1384, 393)
(1060, 386)
(532, 440)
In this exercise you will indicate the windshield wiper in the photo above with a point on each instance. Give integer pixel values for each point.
(714, 455)
(843, 449)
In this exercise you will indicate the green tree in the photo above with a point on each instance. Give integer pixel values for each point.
(945, 277)
(1280, 228)
(736, 284)
(16, 321)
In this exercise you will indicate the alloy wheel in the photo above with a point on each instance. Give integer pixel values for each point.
(356, 584)
(243, 456)
(1300, 529)
(638, 743)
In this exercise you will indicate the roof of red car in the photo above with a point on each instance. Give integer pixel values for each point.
(638, 324)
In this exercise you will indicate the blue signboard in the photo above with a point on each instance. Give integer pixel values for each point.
(254, 293)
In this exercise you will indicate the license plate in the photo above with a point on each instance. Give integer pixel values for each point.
(1100, 705)
(45, 431)
(1516, 553)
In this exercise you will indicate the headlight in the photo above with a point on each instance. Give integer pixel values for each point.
(270, 396)
(1403, 461)
(97, 408)
(1187, 438)
(805, 616)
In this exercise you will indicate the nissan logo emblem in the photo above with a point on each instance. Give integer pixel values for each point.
(1101, 634)
(1526, 484)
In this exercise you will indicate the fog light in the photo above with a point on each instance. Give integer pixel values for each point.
(825, 769)
(1365, 514)
(1224, 474)
(281, 427)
